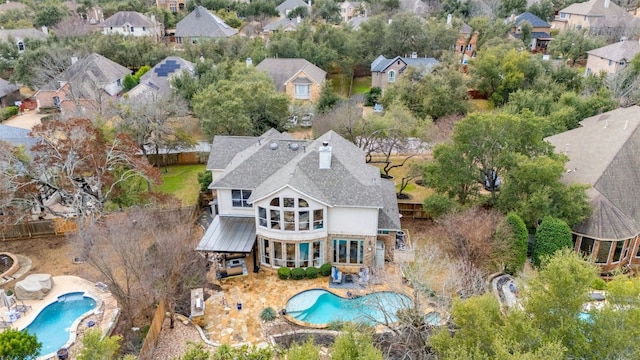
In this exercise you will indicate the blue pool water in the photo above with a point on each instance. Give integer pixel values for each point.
(322, 307)
(51, 326)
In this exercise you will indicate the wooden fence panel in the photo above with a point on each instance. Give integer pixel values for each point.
(413, 210)
(150, 342)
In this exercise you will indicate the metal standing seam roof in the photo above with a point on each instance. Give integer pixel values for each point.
(203, 23)
(603, 153)
(228, 234)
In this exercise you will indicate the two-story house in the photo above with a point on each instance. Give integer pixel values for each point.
(157, 81)
(603, 153)
(85, 88)
(611, 58)
(173, 6)
(300, 203)
(202, 24)
(540, 31)
(132, 23)
(466, 45)
(289, 5)
(351, 9)
(385, 72)
(20, 37)
(298, 78)
(599, 16)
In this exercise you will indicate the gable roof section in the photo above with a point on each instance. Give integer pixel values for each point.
(158, 79)
(20, 34)
(290, 5)
(283, 71)
(285, 23)
(531, 19)
(203, 23)
(7, 88)
(622, 50)
(17, 136)
(381, 63)
(225, 148)
(93, 69)
(613, 15)
(133, 18)
(604, 153)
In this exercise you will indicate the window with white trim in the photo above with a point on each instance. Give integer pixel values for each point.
(239, 198)
(290, 214)
(392, 76)
(348, 251)
(302, 91)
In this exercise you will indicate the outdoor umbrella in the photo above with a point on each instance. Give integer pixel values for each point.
(4, 299)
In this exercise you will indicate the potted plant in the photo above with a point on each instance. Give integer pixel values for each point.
(10, 296)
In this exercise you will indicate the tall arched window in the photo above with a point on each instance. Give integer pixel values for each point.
(392, 76)
(290, 214)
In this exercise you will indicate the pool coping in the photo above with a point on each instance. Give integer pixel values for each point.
(73, 328)
(305, 324)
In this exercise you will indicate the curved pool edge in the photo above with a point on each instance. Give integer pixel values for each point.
(73, 328)
(289, 318)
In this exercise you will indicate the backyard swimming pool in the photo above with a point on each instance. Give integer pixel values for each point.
(53, 323)
(321, 307)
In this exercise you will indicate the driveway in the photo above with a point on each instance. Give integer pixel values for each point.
(26, 120)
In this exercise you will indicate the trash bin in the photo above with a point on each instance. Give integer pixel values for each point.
(63, 354)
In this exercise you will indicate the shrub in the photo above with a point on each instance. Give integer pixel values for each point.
(8, 112)
(325, 269)
(284, 273)
(515, 229)
(9, 292)
(297, 274)
(599, 284)
(268, 314)
(336, 325)
(312, 272)
(372, 96)
(437, 205)
(552, 235)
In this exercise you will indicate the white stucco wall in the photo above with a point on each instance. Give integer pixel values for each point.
(353, 221)
(225, 207)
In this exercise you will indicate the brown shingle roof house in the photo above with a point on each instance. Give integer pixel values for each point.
(605, 153)
(298, 78)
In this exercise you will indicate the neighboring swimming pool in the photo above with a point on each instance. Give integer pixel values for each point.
(321, 307)
(53, 323)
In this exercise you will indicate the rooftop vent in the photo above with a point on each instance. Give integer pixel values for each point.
(294, 146)
(273, 146)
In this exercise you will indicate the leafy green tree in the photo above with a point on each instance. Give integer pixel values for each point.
(129, 82)
(489, 30)
(204, 179)
(552, 235)
(509, 7)
(49, 14)
(437, 205)
(18, 345)
(94, 347)
(301, 11)
(514, 228)
(404, 35)
(452, 173)
(327, 10)
(574, 44)
(328, 98)
(354, 344)
(542, 9)
(245, 102)
(306, 351)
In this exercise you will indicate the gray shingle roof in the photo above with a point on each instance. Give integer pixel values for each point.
(283, 23)
(7, 88)
(289, 5)
(355, 22)
(614, 15)
(17, 136)
(531, 19)
(21, 34)
(158, 78)
(604, 153)
(133, 18)
(225, 148)
(284, 70)
(86, 72)
(12, 5)
(622, 50)
(202, 23)
(381, 63)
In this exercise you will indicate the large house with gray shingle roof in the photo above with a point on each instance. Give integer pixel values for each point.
(604, 153)
(385, 72)
(157, 80)
(132, 23)
(598, 16)
(540, 30)
(20, 37)
(298, 78)
(202, 24)
(299, 203)
(611, 58)
(289, 5)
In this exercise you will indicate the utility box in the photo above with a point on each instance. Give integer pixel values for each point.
(379, 258)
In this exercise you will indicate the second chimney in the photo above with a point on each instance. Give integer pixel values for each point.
(324, 154)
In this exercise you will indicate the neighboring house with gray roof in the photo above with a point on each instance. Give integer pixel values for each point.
(157, 80)
(85, 88)
(603, 153)
(352, 9)
(611, 58)
(12, 5)
(298, 78)
(17, 136)
(300, 203)
(385, 72)
(284, 25)
(601, 17)
(202, 24)
(132, 23)
(289, 5)
(21, 37)
(540, 30)
(9, 93)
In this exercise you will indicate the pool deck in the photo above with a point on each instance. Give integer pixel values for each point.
(106, 305)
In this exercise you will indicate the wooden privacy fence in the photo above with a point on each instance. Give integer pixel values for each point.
(186, 158)
(151, 340)
(29, 229)
(412, 209)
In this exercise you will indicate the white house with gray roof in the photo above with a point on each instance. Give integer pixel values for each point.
(603, 153)
(299, 203)
(132, 23)
(202, 24)
(385, 72)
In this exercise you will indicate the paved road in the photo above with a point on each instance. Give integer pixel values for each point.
(25, 121)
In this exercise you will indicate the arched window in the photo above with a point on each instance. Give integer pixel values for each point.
(392, 76)
(290, 214)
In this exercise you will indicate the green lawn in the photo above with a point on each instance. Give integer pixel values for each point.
(182, 182)
(341, 83)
